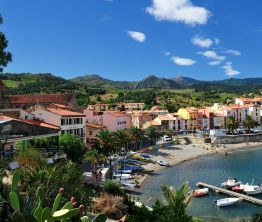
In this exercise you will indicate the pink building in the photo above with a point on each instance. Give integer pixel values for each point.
(114, 121)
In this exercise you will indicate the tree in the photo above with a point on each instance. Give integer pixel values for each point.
(121, 138)
(106, 141)
(5, 57)
(29, 157)
(94, 157)
(73, 146)
(152, 133)
(249, 123)
(177, 200)
(136, 135)
(231, 124)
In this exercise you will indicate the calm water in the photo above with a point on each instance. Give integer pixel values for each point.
(214, 170)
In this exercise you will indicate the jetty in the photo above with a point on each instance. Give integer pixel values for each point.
(231, 193)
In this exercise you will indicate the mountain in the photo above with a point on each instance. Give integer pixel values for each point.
(156, 82)
(27, 83)
(96, 81)
(90, 84)
(185, 81)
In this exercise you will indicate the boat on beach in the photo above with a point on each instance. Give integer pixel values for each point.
(162, 163)
(226, 201)
(201, 192)
(230, 182)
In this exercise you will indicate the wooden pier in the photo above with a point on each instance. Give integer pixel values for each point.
(231, 193)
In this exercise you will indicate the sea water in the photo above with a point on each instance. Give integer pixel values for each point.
(215, 169)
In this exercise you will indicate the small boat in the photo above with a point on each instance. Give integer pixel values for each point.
(162, 163)
(123, 171)
(239, 188)
(226, 201)
(252, 189)
(201, 192)
(125, 175)
(230, 182)
(129, 183)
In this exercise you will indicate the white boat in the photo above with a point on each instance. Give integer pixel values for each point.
(162, 163)
(129, 183)
(252, 189)
(124, 175)
(226, 201)
(201, 192)
(230, 182)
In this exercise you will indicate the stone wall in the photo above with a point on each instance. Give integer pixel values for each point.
(232, 139)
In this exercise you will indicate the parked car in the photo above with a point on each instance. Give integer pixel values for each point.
(166, 138)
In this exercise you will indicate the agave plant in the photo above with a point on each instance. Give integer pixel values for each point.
(46, 214)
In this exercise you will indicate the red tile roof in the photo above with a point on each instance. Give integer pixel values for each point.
(117, 114)
(41, 98)
(65, 113)
(43, 124)
(93, 125)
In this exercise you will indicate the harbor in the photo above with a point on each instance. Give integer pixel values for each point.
(231, 193)
(212, 169)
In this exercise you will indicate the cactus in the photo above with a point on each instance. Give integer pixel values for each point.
(100, 218)
(45, 214)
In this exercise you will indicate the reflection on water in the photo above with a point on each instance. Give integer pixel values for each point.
(210, 169)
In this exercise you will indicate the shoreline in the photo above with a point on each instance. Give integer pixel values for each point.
(182, 153)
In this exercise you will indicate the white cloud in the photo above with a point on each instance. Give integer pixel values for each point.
(178, 11)
(212, 55)
(214, 63)
(217, 41)
(229, 71)
(233, 52)
(201, 42)
(138, 36)
(167, 53)
(183, 61)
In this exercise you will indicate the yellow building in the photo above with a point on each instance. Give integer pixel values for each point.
(191, 114)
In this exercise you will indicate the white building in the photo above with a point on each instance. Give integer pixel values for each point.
(17, 113)
(69, 122)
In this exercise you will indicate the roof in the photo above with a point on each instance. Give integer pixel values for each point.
(154, 123)
(191, 109)
(65, 113)
(117, 114)
(237, 107)
(59, 105)
(93, 125)
(41, 98)
(165, 117)
(40, 123)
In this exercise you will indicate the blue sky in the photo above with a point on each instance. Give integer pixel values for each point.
(131, 39)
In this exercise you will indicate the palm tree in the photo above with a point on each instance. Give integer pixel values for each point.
(152, 133)
(177, 200)
(106, 141)
(170, 132)
(249, 123)
(94, 157)
(231, 124)
(136, 135)
(121, 138)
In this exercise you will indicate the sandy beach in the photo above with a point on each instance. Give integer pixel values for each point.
(181, 153)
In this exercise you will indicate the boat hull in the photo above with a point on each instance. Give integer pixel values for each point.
(226, 202)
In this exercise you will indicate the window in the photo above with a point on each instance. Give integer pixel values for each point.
(70, 121)
(90, 133)
(63, 122)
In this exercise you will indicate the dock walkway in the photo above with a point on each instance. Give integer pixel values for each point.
(231, 193)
